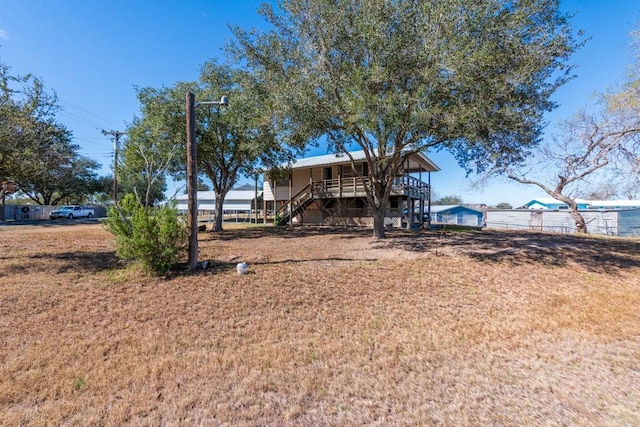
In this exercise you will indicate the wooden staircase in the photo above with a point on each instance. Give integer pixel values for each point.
(298, 204)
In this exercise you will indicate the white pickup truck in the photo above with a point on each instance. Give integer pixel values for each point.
(71, 212)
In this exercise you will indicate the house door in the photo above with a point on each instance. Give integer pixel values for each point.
(328, 173)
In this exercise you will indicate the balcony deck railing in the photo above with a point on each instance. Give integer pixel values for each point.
(355, 187)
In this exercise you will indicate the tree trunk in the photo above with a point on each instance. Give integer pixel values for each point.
(378, 211)
(378, 224)
(147, 194)
(581, 225)
(217, 226)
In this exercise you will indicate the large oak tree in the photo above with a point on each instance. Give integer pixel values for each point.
(37, 155)
(231, 141)
(394, 77)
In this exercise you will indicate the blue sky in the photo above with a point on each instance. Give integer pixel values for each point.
(93, 54)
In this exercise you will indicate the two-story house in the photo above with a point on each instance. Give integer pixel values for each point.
(330, 190)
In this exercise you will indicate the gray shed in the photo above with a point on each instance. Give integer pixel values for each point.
(456, 214)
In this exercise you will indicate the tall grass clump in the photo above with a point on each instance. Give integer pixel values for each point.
(151, 236)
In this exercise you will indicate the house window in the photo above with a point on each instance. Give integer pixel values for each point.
(348, 171)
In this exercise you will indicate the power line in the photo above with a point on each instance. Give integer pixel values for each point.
(80, 119)
(116, 139)
(88, 112)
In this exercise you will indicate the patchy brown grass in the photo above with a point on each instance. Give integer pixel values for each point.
(328, 328)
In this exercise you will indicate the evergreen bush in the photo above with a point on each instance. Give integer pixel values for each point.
(152, 236)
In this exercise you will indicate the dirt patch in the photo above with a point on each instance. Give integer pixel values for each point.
(329, 327)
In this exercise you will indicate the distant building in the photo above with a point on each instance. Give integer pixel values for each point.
(613, 204)
(457, 214)
(236, 202)
(553, 204)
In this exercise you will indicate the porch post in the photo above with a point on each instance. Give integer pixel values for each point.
(429, 199)
(264, 210)
(412, 212)
(409, 215)
(422, 196)
(290, 197)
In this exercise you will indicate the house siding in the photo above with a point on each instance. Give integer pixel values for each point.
(278, 190)
(459, 215)
(267, 192)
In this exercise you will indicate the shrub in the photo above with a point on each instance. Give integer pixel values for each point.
(152, 236)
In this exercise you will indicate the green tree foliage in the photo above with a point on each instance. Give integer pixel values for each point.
(11, 118)
(137, 184)
(36, 152)
(153, 236)
(449, 200)
(203, 186)
(397, 77)
(504, 205)
(231, 141)
(104, 192)
(60, 175)
(147, 159)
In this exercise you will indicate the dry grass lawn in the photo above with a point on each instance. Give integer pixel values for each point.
(328, 328)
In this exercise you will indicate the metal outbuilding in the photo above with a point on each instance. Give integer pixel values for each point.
(456, 214)
(236, 202)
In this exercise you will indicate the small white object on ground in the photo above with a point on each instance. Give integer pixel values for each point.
(242, 268)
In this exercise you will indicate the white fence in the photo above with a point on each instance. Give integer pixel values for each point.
(625, 223)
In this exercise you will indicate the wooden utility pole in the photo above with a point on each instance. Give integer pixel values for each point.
(116, 145)
(192, 175)
(192, 183)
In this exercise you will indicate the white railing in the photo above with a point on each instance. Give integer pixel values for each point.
(355, 187)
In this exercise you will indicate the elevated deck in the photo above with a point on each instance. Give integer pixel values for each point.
(348, 188)
(406, 186)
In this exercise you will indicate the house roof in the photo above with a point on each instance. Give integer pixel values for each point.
(417, 161)
(552, 201)
(231, 195)
(612, 203)
(595, 203)
(443, 208)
